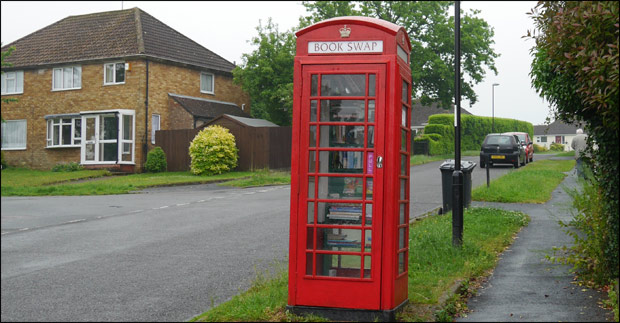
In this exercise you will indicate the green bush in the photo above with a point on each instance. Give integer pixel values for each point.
(556, 147)
(156, 161)
(539, 148)
(4, 165)
(473, 131)
(213, 151)
(67, 167)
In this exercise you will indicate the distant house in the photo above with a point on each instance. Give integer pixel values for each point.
(94, 89)
(420, 114)
(558, 132)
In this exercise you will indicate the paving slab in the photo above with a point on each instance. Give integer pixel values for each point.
(525, 286)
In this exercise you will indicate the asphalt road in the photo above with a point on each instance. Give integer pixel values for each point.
(166, 254)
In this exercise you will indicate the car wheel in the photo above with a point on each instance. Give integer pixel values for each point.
(532, 158)
(482, 165)
(516, 164)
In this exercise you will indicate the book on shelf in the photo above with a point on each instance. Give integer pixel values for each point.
(334, 236)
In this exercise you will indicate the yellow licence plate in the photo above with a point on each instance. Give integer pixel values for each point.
(498, 157)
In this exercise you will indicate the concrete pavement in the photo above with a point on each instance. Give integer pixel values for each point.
(525, 287)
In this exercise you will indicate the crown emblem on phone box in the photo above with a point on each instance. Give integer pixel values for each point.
(345, 32)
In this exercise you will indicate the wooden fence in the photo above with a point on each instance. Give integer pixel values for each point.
(259, 147)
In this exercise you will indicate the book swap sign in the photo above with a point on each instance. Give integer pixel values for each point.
(345, 47)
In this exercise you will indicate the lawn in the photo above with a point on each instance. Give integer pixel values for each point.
(434, 266)
(24, 182)
(531, 184)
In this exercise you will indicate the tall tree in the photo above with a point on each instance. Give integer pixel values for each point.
(575, 68)
(267, 74)
(431, 31)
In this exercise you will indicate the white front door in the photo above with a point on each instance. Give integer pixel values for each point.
(108, 135)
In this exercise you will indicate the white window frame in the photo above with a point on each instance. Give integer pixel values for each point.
(17, 77)
(212, 91)
(25, 143)
(153, 126)
(113, 82)
(59, 122)
(60, 87)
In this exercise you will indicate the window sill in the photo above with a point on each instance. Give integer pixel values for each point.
(204, 92)
(16, 93)
(65, 146)
(108, 84)
(21, 148)
(71, 89)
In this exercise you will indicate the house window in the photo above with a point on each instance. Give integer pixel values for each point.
(64, 132)
(206, 83)
(543, 139)
(14, 135)
(114, 73)
(67, 78)
(154, 126)
(12, 82)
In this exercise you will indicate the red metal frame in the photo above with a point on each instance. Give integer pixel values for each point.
(318, 215)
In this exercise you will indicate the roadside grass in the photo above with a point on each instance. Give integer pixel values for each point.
(262, 178)
(23, 177)
(434, 266)
(25, 182)
(533, 183)
(423, 159)
(566, 154)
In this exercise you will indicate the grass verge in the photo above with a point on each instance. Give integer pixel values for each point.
(531, 184)
(262, 178)
(423, 159)
(434, 266)
(18, 182)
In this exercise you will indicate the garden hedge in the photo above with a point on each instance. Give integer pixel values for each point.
(440, 131)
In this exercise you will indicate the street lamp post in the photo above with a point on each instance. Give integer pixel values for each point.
(493, 105)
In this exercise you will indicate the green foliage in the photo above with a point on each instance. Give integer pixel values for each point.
(213, 151)
(591, 236)
(556, 147)
(156, 161)
(67, 167)
(473, 131)
(430, 25)
(575, 68)
(539, 148)
(4, 164)
(266, 74)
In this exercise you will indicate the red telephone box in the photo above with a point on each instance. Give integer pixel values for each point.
(350, 169)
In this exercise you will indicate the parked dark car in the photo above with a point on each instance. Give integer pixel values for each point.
(526, 142)
(502, 149)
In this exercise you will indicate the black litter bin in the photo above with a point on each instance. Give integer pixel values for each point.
(447, 168)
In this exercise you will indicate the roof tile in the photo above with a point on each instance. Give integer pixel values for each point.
(111, 34)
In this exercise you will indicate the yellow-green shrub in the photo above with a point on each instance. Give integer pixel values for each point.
(213, 151)
(539, 148)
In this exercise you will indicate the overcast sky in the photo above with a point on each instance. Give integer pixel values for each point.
(226, 27)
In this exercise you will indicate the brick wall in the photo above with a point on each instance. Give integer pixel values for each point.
(38, 100)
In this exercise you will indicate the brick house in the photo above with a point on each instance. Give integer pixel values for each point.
(94, 89)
